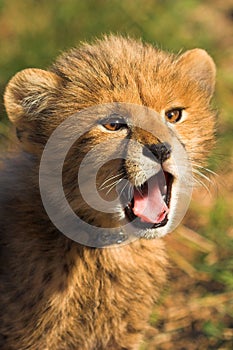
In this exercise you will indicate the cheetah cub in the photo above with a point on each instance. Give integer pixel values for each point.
(107, 139)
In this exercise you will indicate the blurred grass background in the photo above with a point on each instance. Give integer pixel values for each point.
(196, 311)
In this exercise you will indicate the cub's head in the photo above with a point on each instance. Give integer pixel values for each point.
(119, 125)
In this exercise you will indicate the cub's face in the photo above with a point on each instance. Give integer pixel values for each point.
(126, 125)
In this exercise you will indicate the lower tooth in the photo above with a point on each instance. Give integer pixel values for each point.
(164, 197)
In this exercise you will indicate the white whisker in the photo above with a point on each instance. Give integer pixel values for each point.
(205, 169)
(102, 186)
(114, 184)
(195, 171)
(199, 182)
(123, 188)
(130, 191)
(207, 175)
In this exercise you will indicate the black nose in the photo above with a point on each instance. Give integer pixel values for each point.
(161, 151)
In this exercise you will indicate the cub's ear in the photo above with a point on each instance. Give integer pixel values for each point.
(199, 66)
(29, 98)
(28, 94)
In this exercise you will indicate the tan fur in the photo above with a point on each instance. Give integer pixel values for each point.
(55, 293)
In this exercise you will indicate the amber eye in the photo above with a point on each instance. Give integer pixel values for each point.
(174, 115)
(114, 124)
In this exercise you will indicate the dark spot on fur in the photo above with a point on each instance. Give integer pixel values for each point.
(131, 329)
(17, 338)
(48, 307)
(19, 133)
(83, 141)
(40, 295)
(98, 265)
(69, 334)
(39, 337)
(19, 294)
(47, 277)
(68, 247)
(112, 277)
(61, 287)
(72, 263)
(63, 338)
(3, 338)
(230, 13)
(66, 269)
(27, 321)
(31, 304)
(47, 327)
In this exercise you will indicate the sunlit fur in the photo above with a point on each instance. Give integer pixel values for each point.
(55, 293)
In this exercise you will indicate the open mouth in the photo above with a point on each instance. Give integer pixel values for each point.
(149, 206)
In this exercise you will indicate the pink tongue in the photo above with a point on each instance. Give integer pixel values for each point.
(149, 204)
